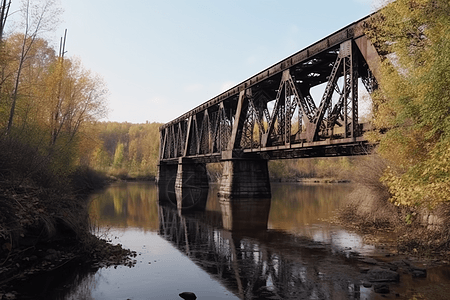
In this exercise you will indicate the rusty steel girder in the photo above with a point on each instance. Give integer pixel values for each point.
(274, 110)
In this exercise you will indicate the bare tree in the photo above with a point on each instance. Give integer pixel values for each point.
(4, 11)
(38, 17)
(79, 97)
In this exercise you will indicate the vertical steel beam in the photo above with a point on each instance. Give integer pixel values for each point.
(236, 133)
(163, 141)
(188, 137)
(354, 84)
(171, 141)
(288, 114)
(206, 132)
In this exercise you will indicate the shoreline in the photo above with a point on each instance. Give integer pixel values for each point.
(42, 230)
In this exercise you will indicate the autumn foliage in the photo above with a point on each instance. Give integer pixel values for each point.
(48, 102)
(413, 102)
(125, 150)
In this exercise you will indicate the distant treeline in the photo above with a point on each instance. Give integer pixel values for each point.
(125, 149)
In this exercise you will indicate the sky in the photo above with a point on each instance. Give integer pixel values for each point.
(161, 58)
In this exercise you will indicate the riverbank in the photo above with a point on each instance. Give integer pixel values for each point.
(312, 180)
(421, 233)
(42, 230)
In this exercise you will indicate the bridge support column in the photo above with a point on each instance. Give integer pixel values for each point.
(165, 179)
(191, 184)
(166, 174)
(244, 177)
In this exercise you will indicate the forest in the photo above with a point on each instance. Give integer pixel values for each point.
(125, 150)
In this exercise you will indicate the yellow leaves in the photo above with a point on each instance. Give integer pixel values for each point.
(373, 136)
(426, 182)
(413, 103)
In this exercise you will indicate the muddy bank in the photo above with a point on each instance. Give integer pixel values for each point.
(419, 232)
(417, 240)
(42, 230)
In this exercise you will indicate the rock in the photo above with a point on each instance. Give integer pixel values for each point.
(392, 267)
(364, 270)
(381, 288)
(188, 296)
(51, 257)
(382, 275)
(370, 261)
(419, 273)
(399, 263)
(9, 296)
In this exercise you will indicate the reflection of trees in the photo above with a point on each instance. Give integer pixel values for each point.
(72, 281)
(82, 288)
(262, 264)
(300, 205)
(127, 205)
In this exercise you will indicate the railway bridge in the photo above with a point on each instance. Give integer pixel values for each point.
(273, 115)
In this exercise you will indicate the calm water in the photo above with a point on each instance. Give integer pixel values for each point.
(283, 248)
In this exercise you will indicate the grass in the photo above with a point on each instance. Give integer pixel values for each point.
(368, 206)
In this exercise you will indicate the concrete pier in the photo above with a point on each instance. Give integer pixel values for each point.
(167, 174)
(191, 184)
(185, 184)
(245, 178)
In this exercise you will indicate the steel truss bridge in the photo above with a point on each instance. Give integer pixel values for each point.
(273, 113)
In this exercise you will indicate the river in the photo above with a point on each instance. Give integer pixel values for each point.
(287, 247)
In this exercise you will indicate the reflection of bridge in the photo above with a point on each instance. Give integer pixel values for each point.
(273, 115)
(260, 264)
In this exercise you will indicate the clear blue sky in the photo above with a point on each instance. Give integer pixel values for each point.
(162, 58)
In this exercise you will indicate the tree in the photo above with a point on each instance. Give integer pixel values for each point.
(38, 17)
(35, 68)
(73, 97)
(4, 11)
(119, 155)
(126, 147)
(414, 99)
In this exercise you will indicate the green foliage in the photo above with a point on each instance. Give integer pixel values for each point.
(414, 99)
(125, 149)
(118, 156)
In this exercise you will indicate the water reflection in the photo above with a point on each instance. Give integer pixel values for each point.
(279, 248)
(74, 281)
(261, 264)
(245, 215)
(308, 210)
(257, 248)
(126, 205)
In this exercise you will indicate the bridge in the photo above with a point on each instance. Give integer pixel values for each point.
(273, 115)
